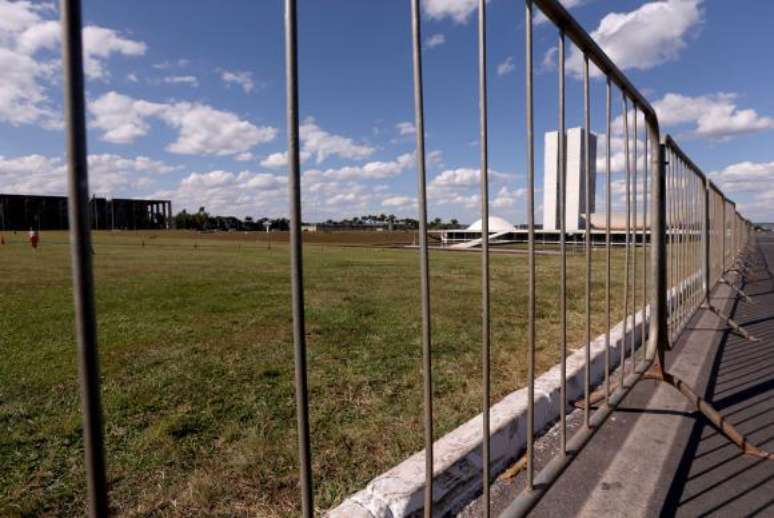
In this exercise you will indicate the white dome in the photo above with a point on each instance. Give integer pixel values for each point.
(495, 225)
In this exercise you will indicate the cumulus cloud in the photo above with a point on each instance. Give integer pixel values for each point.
(240, 78)
(202, 129)
(405, 128)
(323, 144)
(651, 35)
(108, 174)
(280, 159)
(229, 193)
(463, 177)
(99, 43)
(29, 39)
(745, 176)
(122, 118)
(506, 198)
(459, 188)
(457, 10)
(435, 40)
(714, 116)
(506, 67)
(399, 201)
(370, 170)
(187, 80)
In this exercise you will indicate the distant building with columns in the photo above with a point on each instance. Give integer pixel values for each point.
(23, 212)
(575, 184)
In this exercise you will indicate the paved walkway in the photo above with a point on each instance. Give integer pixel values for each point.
(655, 456)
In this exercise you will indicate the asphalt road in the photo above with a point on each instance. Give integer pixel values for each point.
(655, 456)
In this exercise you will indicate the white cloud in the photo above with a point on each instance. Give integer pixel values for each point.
(651, 35)
(399, 201)
(549, 59)
(241, 78)
(506, 198)
(435, 40)
(99, 43)
(228, 193)
(188, 80)
(323, 144)
(755, 177)
(202, 130)
(280, 159)
(506, 67)
(369, 170)
(714, 115)
(122, 118)
(405, 128)
(457, 10)
(463, 177)
(29, 39)
(210, 179)
(459, 188)
(108, 174)
(244, 157)
(435, 158)
(275, 160)
(23, 98)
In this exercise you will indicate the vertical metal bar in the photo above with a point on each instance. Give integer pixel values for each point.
(670, 198)
(562, 170)
(683, 244)
(723, 241)
(296, 259)
(608, 210)
(628, 229)
(424, 267)
(587, 228)
(80, 251)
(694, 236)
(682, 236)
(659, 334)
(700, 213)
(645, 233)
(531, 251)
(484, 176)
(634, 236)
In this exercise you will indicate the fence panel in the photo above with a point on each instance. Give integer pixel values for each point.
(688, 236)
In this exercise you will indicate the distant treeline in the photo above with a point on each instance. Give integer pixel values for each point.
(202, 220)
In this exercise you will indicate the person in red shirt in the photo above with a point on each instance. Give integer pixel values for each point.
(34, 237)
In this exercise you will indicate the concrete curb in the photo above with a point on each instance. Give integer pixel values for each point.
(399, 491)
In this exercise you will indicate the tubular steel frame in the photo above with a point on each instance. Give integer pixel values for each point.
(705, 234)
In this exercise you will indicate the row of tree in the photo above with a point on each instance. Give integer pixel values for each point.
(202, 220)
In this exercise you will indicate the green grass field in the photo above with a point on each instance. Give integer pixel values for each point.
(197, 364)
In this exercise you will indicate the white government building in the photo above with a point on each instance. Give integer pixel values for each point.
(502, 231)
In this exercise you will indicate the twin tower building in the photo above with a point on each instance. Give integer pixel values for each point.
(575, 185)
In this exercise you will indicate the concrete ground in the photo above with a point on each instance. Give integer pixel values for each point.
(655, 456)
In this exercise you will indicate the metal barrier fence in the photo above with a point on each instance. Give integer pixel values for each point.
(690, 236)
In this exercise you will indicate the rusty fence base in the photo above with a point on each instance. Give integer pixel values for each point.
(708, 411)
(646, 370)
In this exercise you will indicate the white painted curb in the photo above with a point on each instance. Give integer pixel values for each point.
(457, 474)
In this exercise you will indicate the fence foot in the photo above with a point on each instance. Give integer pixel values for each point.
(712, 415)
(597, 396)
(730, 322)
(738, 291)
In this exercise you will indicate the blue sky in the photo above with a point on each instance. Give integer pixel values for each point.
(186, 100)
